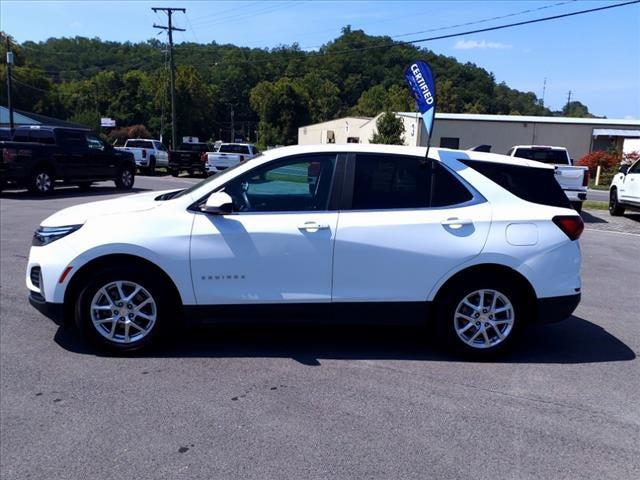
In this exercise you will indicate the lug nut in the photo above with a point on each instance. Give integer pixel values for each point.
(122, 319)
(131, 315)
(477, 315)
(120, 304)
(484, 310)
(490, 317)
(129, 306)
(477, 324)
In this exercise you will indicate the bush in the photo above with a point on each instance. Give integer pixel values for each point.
(120, 135)
(630, 157)
(607, 161)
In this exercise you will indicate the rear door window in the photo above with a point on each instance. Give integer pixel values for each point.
(536, 185)
(72, 139)
(396, 181)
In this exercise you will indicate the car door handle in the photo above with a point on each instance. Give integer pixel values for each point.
(313, 226)
(456, 223)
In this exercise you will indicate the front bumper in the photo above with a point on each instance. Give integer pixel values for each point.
(556, 309)
(53, 311)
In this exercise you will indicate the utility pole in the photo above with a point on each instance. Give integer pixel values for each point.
(569, 99)
(9, 82)
(170, 29)
(233, 128)
(544, 89)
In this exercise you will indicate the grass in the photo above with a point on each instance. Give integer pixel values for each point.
(595, 205)
(602, 186)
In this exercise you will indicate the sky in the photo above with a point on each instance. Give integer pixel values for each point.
(596, 56)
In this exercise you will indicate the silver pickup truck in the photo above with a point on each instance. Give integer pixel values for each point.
(574, 180)
(228, 155)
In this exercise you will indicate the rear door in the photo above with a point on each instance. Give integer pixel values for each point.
(408, 222)
(71, 158)
(100, 162)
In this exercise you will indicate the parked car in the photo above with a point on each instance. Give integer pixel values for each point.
(574, 180)
(38, 156)
(188, 157)
(148, 154)
(481, 244)
(228, 155)
(624, 192)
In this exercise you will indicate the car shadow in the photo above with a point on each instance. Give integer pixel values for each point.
(573, 341)
(589, 218)
(69, 192)
(633, 216)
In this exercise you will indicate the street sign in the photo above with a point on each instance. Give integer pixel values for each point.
(107, 122)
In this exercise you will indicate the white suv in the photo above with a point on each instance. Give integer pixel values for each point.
(482, 243)
(624, 191)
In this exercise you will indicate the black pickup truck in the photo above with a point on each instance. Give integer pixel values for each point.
(188, 157)
(37, 156)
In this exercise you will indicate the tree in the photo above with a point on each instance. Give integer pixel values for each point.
(282, 107)
(576, 109)
(390, 130)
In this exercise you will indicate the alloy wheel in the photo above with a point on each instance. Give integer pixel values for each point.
(123, 312)
(43, 182)
(484, 319)
(127, 178)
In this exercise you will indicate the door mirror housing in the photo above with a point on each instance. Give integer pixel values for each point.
(624, 169)
(218, 203)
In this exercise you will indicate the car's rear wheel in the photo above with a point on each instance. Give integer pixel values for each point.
(84, 186)
(125, 178)
(577, 206)
(614, 207)
(123, 310)
(174, 172)
(481, 318)
(42, 181)
(151, 169)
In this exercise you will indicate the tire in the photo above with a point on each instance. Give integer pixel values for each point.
(125, 178)
(476, 332)
(142, 317)
(577, 206)
(174, 172)
(42, 181)
(615, 210)
(151, 169)
(84, 186)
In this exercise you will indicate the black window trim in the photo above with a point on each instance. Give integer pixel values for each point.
(335, 189)
(349, 182)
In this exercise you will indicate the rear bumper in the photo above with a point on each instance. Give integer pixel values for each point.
(576, 195)
(556, 309)
(53, 311)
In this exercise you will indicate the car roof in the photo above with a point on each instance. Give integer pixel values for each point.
(541, 147)
(441, 154)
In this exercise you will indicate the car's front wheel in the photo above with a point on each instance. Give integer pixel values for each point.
(481, 318)
(122, 310)
(614, 207)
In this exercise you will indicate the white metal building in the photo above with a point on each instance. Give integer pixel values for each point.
(461, 130)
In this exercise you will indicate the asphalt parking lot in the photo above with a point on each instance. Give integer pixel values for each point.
(322, 402)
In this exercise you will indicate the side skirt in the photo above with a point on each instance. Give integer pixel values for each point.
(352, 313)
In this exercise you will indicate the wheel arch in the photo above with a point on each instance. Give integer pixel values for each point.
(133, 261)
(484, 269)
(43, 163)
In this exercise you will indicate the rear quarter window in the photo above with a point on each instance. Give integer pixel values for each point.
(535, 185)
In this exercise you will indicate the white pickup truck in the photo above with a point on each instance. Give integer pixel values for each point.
(228, 155)
(574, 180)
(148, 154)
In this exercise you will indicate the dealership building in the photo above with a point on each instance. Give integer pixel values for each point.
(463, 131)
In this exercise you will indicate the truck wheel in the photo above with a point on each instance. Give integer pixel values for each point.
(614, 207)
(125, 178)
(42, 181)
(577, 206)
(151, 169)
(174, 172)
(84, 186)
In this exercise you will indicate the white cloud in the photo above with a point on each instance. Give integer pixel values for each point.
(469, 44)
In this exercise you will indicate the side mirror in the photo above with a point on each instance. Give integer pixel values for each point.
(218, 203)
(624, 169)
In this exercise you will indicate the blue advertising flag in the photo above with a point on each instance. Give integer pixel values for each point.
(423, 87)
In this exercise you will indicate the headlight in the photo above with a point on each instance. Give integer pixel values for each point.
(46, 235)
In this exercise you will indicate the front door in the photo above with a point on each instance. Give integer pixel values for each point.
(411, 221)
(277, 246)
(630, 190)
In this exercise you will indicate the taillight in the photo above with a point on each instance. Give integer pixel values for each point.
(571, 225)
(585, 179)
(203, 157)
(144, 153)
(8, 155)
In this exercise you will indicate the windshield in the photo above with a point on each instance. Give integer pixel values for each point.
(543, 155)
(187, 191)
